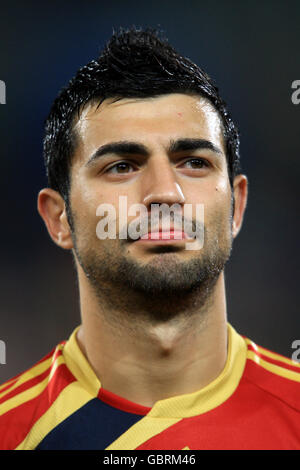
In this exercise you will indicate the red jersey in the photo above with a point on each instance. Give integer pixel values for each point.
(59, 404)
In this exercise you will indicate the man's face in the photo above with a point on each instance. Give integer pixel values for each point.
(151, 171)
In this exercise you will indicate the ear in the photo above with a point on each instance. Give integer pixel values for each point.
(51, 208)
(240, 192)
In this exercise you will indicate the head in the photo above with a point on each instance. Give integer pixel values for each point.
(134, 64)
(156, 106)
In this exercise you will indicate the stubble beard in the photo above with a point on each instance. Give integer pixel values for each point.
(161, 289)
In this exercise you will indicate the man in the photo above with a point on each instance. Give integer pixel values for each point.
(154, 364)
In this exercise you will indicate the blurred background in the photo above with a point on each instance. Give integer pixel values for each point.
(252, 51)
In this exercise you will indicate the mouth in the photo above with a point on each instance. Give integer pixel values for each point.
(164, 236)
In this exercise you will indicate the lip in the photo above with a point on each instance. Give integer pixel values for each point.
(164, 236)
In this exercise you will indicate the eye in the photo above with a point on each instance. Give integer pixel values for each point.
(197, 163)
(120, 168)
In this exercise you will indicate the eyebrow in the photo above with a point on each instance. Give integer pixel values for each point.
(136, 148)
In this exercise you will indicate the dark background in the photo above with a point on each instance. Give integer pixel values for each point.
(252, 51)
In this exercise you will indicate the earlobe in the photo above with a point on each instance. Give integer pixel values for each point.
(51, 208)
(240, 188)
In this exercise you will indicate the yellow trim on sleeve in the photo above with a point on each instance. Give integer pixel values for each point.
(286, 373)
(7, 383)
(30, 393)
(31, 373)
(272, 355)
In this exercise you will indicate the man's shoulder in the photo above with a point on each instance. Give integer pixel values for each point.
(27, 396)
(273, 374)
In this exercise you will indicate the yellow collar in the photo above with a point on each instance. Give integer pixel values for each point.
(182, 406)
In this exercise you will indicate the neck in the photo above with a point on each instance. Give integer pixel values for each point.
(144, 358)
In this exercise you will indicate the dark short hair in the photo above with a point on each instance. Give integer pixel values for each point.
(134, 63)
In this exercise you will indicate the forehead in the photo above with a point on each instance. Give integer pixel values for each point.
(153, 121)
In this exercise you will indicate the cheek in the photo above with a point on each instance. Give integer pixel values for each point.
(218, 209)
(222, 193)
(85, 218)
(222, 185)
(216, 196)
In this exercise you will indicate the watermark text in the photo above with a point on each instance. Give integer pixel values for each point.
(296, 94)
(164, 222)
(2, 92)
(2, 352)
(296, 354)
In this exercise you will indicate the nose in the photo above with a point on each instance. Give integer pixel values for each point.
(159, 183)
